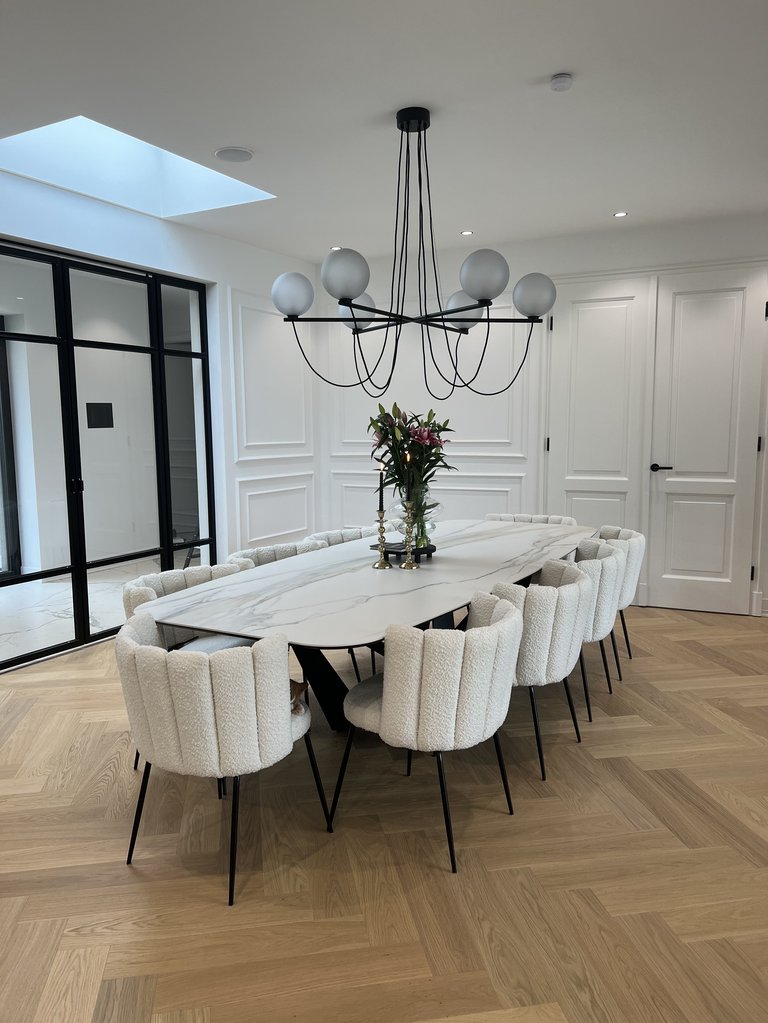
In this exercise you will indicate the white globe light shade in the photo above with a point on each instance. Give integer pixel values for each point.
(534, 295)
(484, 274)
(293, 294)
(458, 300)
(345, 274)
(346, 313)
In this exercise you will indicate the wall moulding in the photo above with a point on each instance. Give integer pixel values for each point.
(275, 509)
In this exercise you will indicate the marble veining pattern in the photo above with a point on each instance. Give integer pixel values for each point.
(333, 598)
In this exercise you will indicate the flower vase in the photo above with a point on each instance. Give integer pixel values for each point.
(424, 512)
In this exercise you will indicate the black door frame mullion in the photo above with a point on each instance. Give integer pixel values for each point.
(72, 461)
(159, 405)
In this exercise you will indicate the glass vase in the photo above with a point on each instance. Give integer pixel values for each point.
(425, 512)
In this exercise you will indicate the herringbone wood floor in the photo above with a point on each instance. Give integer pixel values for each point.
(632, 886)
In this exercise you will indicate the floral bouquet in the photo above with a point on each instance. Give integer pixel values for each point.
(411, 450)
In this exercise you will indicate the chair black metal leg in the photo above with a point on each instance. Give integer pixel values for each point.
(605, 666)
(616, 655)
(626, 634)
(139, 808)
(351, 653)
(219, 789)
(233, 837)
(410, 763)
(224, 787)
(373, 662)
(572, 709)
(318, 782)
(503, 771)
(136, 761)
(585, 683)
(446, 809)
(537, 731)
(340, 779)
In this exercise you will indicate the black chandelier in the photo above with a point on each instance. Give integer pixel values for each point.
(483, 276)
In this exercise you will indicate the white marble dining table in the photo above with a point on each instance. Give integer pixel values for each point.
(333, 598)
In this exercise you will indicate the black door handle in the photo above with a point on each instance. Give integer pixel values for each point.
(655, 467)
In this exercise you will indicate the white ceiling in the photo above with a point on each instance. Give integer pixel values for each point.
(666, 118)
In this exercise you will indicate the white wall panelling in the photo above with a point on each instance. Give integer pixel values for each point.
(274, 509)
(273, 393)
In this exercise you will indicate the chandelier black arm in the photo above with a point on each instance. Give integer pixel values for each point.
(326, 380)
(501, 390)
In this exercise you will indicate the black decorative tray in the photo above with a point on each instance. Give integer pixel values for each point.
(398, 549)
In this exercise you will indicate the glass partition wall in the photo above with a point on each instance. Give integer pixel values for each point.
(105, 444)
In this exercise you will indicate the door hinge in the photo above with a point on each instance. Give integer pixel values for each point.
(752, 573)
(547, 445)
(759, 443)
(552, 319)
(766, 310)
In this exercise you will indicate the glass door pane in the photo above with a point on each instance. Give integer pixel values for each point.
(35, 488)
(26, 297)
(109, 309)
(117, 451)
(186, 448)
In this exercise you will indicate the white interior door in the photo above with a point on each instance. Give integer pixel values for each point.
(710, 326)
(600, 357)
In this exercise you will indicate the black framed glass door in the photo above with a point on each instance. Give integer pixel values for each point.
(105, 443)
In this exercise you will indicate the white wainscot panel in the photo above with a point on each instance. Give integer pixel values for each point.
(594, 509)
(705, 367)
(275, 509)
(491, 426)
(270, 386)
(463, 496)
(699, 536)
(599, 388)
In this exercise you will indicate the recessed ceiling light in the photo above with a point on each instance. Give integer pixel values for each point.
(467, 232)
(335, 248)
(19, 298)
(234, 154)
(620, 213)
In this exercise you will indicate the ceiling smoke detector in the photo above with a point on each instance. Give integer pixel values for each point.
(561, 82)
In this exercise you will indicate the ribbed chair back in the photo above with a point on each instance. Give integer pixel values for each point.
(605, 566)
(252, 557)
(160, 584)
(633, 545)
(332, 537)
(553, 520)
(446, 689)
(555, 608)
(218, 715)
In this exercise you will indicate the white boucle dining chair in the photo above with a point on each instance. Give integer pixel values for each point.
(554, 607)
(333, 537)
(633, 545)
(160, 584)
(441, 690)
(252, 557)
(218, 715)
(605, 565)
(550, 520)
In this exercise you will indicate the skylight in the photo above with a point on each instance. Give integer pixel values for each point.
(87, 157)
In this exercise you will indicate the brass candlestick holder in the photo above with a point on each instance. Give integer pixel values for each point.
(409, 563)
(382, 562)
